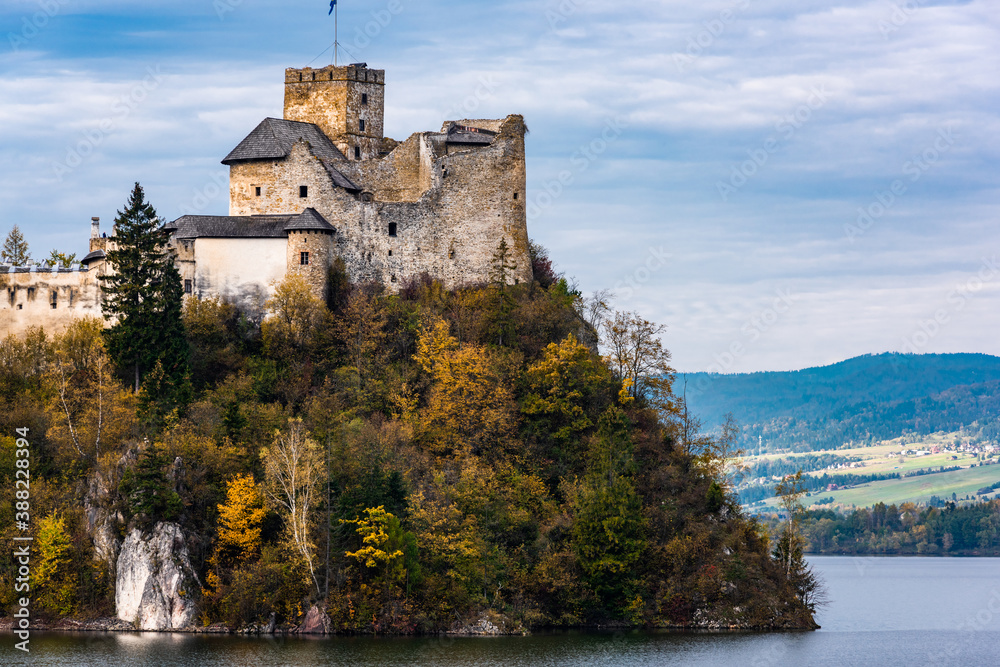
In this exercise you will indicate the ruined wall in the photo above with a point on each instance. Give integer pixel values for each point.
(337, 99)
(52, 300)
(472, 199)
(239, 270)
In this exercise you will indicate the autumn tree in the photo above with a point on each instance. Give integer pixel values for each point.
(294, 314)
(789, 547)
(637, 356)
(53, 579)
(470, 401)
(361, 331)
(62, 259)
(386, 549)
(241, 518)
(91, 411)
(561, 389)
(143, 296)
(15, 249)
(293, 467)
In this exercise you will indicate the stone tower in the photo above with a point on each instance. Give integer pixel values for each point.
(347, 103)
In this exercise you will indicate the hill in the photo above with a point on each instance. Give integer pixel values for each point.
(865, 399)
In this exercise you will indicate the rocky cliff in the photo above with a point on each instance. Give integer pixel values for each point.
(155, 582)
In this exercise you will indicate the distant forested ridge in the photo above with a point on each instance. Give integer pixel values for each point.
(865, 399)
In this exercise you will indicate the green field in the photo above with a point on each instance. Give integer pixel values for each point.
(884, 458)
(911, 489)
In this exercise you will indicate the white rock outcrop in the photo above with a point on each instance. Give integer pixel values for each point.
(155, 582)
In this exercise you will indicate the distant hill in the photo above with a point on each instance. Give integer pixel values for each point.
(876, 397)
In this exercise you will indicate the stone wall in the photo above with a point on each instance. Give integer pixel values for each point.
(319, 245)
(43, 298)
(337, 99)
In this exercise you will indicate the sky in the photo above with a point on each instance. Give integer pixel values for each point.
(781, 184)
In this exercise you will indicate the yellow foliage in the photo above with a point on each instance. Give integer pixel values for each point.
(470, 400)
(372, 530)
(240, 519)
(294, 316)
(51, 576)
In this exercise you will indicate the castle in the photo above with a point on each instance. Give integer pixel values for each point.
(322, 183)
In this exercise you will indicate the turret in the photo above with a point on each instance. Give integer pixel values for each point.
(347, 103)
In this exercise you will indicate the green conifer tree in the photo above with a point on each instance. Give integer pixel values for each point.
(15, 249)
(143, 295)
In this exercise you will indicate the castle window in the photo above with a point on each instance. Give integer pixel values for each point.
(515, 194)
(20, 306)
(451, 254)
(390, 253)
(303, 191)
(257, 191)
(188, 288)
(361, 125)
(357, 152)
(54, 297)
(392, 229)
(304, 258)
(392, 278)
(364, 98)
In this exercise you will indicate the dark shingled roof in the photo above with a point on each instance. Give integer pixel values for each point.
(248, 226)
(274, 137)
(93, 257)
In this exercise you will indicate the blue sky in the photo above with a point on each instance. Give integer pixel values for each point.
(783, 184)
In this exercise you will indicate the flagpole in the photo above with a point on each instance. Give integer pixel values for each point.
(336, 32)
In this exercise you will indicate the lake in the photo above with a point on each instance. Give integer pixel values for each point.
(883, 611)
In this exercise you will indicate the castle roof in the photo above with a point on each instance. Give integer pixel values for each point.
(93, 256)
(309, 219)
(246, 226)
(273, 140)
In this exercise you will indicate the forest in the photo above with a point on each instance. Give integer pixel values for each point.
(409, 461)
(907, 529)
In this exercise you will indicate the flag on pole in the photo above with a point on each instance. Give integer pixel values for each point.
(333, 3)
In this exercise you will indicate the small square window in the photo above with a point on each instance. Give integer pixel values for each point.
(357, 152)
(188, 288)
(361, 125)
(392, 229)
(256, 191)
(303, 191)
(304, 258)
(364, 98)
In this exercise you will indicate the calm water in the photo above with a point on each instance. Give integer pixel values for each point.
(883, 611)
